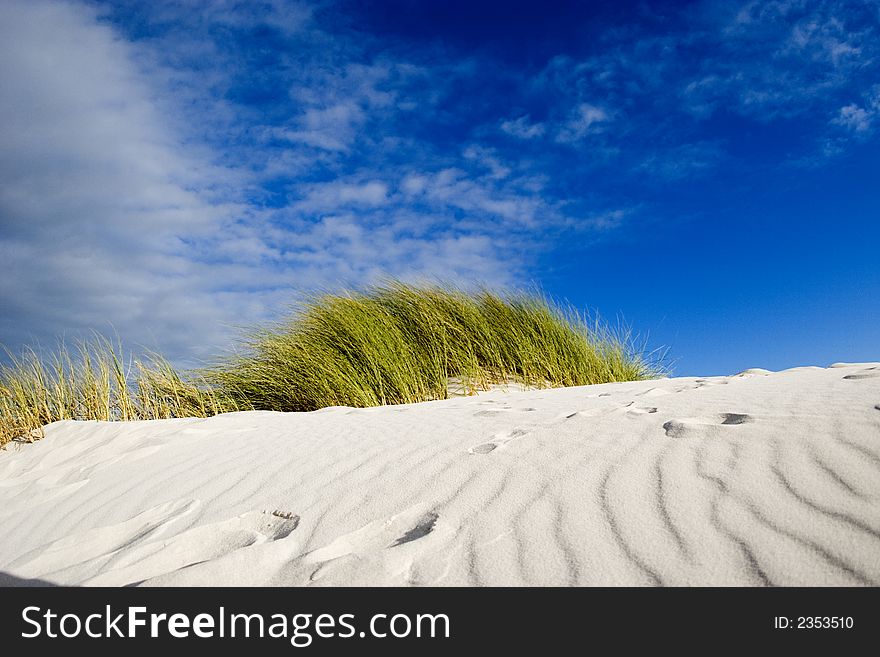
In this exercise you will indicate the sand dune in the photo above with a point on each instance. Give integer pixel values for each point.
(757, 479)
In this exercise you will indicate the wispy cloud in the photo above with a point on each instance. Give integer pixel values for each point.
(855, 118)
(585, 119)
(97, 197)
(523, 128)
(860, 117)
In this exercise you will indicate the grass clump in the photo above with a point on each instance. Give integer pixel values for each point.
(95, 382)
(390, 344)
(398, 343)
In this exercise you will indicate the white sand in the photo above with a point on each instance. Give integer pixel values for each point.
(760, 478)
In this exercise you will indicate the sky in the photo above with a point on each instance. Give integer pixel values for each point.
(175, 172)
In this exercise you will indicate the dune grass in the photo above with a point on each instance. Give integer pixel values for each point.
(94, 381)
(390, 344)
(397, 343)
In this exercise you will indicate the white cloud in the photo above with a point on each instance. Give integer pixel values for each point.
(681, 161)
(584, 120)
(523, 128)
(335, 100)
(608, 220)
(453, 188)
(487, 158)
(331, 128)
(413, 184)
(854, 118)
(334, 195)
(97, 199)
(857, 118)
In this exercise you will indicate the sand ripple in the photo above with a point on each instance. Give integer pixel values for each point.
(758, 479)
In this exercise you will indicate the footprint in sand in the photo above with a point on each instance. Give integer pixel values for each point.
(654, 392)
(676, 428)
(392, 532)
(629, 409)
(203, 543)
(735, 418)
(390, 543)
(498, 440)
(490, 412)
(590, 412)
(422, 528)
(643, 410)
(871, 373)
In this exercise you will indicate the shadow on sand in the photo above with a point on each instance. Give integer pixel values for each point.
(7, 580)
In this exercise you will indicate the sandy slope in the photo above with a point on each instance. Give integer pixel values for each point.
(761, 478)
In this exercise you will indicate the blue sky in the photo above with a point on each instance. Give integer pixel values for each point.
(702, 170)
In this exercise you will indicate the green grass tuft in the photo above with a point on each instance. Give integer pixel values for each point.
(397, 343)
(95, 382)
(391, 344)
